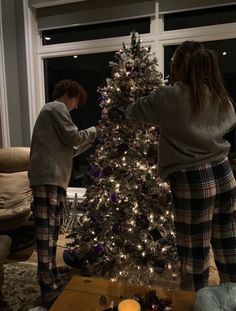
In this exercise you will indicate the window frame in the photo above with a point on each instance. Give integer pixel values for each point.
(157, 39)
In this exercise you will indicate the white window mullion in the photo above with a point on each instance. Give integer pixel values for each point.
(204, 33)
(31, 42)
(41, 83)
(158, 26)
(91, 46)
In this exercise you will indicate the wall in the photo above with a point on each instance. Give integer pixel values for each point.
(15, 71)
(22, 73)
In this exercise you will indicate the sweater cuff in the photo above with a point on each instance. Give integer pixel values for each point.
(93, 131)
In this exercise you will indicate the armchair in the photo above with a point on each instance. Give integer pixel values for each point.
(16, 219)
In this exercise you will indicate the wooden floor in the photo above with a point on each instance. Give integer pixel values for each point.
(213, 279)
(83, 293)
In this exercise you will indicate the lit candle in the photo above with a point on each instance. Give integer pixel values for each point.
(129, 305)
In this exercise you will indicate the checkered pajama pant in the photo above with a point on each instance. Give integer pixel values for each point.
(49, 202)
(205, 213)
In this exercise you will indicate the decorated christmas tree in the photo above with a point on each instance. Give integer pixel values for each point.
(126, 230)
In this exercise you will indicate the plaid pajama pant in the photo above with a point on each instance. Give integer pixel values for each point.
(205, 214)
(48, 205)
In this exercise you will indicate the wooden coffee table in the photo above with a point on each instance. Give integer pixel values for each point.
(84, 294)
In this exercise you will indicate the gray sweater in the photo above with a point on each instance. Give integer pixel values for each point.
(184, 141)
(56, 139)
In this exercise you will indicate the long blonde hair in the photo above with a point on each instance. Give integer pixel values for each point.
(197, 67)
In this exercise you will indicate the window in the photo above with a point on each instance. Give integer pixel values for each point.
(96, 31)
(226, 51)
(203, 17)
(90, 71)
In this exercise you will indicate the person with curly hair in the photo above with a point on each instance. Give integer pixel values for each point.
(55, 141)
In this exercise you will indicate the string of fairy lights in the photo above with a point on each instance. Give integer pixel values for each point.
(127, 229)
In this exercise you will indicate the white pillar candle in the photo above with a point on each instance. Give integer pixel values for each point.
(129, 305)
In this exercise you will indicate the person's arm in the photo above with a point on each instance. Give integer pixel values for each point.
(82, 148)
(69, 132)
(146, 109)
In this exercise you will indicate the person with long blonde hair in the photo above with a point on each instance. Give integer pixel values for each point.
(194, 114)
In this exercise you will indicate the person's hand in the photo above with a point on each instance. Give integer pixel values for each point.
(99, 137)
(99, 132)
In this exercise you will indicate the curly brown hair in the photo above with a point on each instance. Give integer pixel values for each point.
(71, 89)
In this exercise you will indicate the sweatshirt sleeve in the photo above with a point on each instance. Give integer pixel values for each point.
(82, 148)
(68, 131)
(146, 109)
(232, 116)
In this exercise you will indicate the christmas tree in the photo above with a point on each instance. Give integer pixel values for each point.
(127, 229)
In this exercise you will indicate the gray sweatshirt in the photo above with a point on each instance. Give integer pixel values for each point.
(56, 139)
(184, 141)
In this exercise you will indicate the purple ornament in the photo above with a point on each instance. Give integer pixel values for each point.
(99, 249)
(101, 100)
(95, 171)
(115, 197)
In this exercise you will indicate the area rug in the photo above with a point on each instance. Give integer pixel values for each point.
(21, 289)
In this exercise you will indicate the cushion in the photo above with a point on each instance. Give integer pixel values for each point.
(216, 298)
(14, 159)
(14, 214)
(15, 200)
(15, 192)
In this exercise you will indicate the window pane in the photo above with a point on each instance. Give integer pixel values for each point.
(90, 71)
(98, 31)
(226, 51)
(203, 17)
